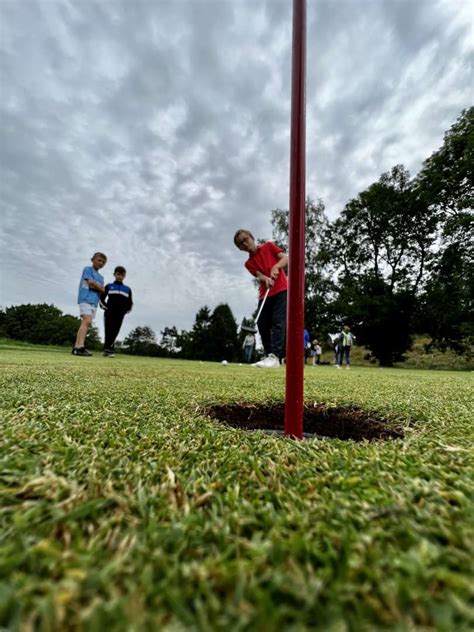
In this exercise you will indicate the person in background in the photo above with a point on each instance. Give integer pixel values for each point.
(117, 301)
(266, 263)
(307, 345)
(316, 353)
(333, 340)
(249, 343)
(90, 287)
(345, 342)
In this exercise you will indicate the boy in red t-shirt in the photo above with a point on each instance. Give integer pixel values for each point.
(266, 264)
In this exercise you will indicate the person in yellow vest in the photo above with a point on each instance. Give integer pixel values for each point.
(346, 340)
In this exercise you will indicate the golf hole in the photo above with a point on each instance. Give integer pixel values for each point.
(318, 421)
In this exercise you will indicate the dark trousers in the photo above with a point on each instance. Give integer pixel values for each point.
(112, 322)
(272, 323)
(248, 350)
(345, 352)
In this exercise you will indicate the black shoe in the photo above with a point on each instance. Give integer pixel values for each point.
(108, 353)
(81, 352)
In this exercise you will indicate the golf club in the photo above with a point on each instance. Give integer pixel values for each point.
(253, 330)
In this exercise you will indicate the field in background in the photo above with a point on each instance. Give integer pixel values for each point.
(123, 507)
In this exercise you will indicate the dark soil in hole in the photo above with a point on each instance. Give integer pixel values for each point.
(318, 419)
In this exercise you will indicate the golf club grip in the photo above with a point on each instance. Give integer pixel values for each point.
(261, 306)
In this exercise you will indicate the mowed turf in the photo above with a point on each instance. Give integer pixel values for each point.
(123, 508)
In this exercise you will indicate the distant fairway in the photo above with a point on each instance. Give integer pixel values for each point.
(123, 508)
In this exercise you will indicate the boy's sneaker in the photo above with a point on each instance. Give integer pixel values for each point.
(108, 353)
(81, 352)
(338, 366)
(270, 362)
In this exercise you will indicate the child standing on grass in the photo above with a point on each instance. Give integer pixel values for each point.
(266, 264)
(316, 353)
(117, 301)
(90, 287)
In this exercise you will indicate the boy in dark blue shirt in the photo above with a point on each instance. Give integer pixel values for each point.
(117, 301)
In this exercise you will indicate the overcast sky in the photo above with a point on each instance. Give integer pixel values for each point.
(152, 130)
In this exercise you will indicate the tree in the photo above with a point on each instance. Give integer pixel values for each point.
(201, 346)
(446, 183)
(387, 231)
(446, 311)
(213, 336)
(3, 331)
(381, 319)
(446, 179)
(379, 248)
(318, 286)
(32, 323)
(184, 342)
(223, 332)
(141, 341)
(43, 324)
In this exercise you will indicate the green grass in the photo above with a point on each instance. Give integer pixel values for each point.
(123, 508)
(416, 358)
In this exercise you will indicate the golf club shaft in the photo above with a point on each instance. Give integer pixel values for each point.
(261, 306)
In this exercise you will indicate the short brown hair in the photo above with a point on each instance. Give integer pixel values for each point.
(239, 232)
(99, 254)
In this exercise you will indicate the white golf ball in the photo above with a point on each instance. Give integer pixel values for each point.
(224, 363)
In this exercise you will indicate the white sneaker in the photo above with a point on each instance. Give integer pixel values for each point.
(270, 362)
(338, 366)
(347, 368)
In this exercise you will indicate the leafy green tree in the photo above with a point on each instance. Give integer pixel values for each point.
(223, 332)
(201, 346)
(93, 338)
(213, 336)
(446, 312)
(141, 341)
(43, 324)
(3, 331)
(318, 285)
(446, 183)
(32, 323)
(184, 342)
(381, 319)
(446, 179)
(379, 249)
(387, 230)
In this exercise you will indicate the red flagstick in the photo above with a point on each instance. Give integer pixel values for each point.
(296, 243)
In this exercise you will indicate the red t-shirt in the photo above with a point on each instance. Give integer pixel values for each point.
(263, 261)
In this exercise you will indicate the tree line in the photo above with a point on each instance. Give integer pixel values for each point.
(214, 336)
(43, 324)
(396, 263)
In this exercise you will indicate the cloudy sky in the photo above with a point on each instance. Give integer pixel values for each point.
(152, 130)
